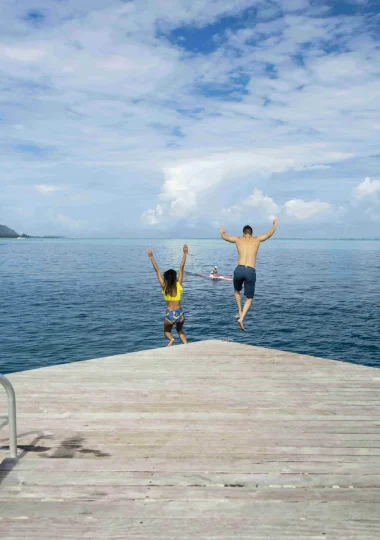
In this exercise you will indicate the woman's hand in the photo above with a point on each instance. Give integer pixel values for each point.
(149, 252)
(185, 249)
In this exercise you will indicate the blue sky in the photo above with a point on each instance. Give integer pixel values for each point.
(172, 118)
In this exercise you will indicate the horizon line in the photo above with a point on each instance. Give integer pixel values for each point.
(180, 238)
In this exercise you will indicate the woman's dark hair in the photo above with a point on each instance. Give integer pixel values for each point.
(170, 282)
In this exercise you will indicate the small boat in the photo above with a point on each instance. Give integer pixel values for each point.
(216, 277)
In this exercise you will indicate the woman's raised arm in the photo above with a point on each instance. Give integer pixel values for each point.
(182, 265)
(159, 275)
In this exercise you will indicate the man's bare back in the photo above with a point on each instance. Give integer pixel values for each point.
(245, 273)
(247, 248)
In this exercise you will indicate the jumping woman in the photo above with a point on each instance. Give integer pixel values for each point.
(172, 291)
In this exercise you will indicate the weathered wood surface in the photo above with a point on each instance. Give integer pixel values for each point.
(214, 440)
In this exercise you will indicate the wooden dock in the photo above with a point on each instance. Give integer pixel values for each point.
(212, 440)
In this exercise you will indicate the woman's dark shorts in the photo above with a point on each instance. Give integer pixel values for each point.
(246, 275)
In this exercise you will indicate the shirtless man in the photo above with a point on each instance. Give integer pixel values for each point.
(245, 272)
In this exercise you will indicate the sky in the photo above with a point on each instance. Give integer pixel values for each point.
(172, 118)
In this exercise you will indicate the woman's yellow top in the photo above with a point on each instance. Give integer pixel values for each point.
(177, 296)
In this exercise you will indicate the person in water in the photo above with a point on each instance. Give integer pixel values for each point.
(172, 291)
(214, 271)
(245, 273)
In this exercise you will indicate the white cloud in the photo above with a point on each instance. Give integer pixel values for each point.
(263, 203)
(318, 167)
(46, 189)
(187, 182)
(301, 210)
(22, 54)
(295, 208)
(368, 189)
(66, 221)
(373, 214)
(153, 216)
(232, 212)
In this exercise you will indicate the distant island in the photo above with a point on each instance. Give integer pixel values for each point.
(6, 232)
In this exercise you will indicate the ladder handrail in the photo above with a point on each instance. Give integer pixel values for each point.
(11, 415)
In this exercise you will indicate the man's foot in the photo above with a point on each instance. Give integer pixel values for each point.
(238, 316)
(240, 323)
(171, 342)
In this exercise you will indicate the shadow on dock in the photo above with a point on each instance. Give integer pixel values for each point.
(67, 449)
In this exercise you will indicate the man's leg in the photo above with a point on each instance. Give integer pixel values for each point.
(168, 326)
(249, 291)
(247, 307)
(238, 302)
(238, 285)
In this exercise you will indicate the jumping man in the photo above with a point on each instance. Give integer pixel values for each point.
(245, 272)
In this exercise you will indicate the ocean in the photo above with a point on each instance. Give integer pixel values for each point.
(66, 300)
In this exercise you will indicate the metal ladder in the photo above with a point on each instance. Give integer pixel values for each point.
(11, 416)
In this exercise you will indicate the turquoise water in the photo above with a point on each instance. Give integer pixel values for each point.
(70, 300)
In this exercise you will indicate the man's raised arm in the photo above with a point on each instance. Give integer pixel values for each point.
(225, 236)
(263, 237)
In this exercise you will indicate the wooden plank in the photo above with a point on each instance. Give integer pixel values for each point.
(260, 511)
(209, 528)
(201, 479)
(112, 493)
(280, 436)
(179, 464)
